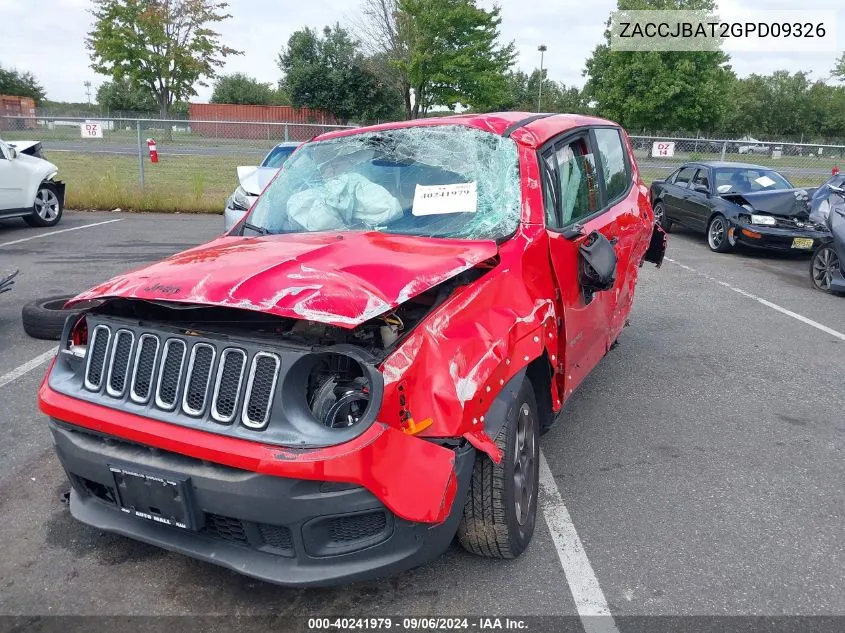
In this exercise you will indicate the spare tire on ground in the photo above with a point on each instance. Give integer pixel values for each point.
(45, 318)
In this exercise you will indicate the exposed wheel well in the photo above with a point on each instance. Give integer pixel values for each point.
(540, 372)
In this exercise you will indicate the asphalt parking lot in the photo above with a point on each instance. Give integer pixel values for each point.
(701, 464)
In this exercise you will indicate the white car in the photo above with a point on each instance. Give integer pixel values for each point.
(28, 188)
(252, 181)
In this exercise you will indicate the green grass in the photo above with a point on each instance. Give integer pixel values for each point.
(188, 184)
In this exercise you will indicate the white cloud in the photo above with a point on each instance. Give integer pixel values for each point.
(46, 37)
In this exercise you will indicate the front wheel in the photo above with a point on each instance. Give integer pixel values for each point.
(824, 265)
(718, 234)
(501, 506)
(47, 210)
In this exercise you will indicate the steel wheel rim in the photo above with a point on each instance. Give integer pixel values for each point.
(716, 234)
(46, 205)
(825, 265)
(525, 455)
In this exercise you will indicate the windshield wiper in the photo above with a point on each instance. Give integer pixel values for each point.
(258, 229)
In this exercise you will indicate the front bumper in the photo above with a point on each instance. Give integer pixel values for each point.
(286, 531)
(777, 238)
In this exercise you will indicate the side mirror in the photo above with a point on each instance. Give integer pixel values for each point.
(13, 153)
(702, 189)
(596, 265)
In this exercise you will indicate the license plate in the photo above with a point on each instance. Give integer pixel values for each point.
(157, 498)
(802, 242)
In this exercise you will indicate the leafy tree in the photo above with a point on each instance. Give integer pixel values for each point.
(164, 46)
(652, 90)
(329, 72)
(839, 69)
(121, 94)
(20, 84)
(440, 52)
(243, 89)
(453, 54)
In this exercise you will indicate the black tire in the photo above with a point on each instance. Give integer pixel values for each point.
(47, 191)
(721, 243)
(660, 217)
(492, 525)
(45, 318)
(823, 265)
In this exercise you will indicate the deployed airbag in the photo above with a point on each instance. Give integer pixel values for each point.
(342, 202)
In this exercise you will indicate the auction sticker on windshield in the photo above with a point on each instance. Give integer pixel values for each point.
(439, 199)
(764, 181)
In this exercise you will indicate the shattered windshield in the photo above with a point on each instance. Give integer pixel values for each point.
(437, 181)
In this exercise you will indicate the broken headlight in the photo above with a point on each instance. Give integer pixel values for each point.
(764, 220)
(240, 199)
(337, 389)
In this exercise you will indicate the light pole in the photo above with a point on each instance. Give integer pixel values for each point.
(542, 48)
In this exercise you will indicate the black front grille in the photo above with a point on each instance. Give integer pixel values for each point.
(356, 527)
(224, 528)
(199, 377)
(97, 358)
(260, 388)
(142, 377)
(276, 536)
(171, 373)
(119, 368)
(229, 380)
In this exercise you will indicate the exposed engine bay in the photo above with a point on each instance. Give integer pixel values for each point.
(334, 367)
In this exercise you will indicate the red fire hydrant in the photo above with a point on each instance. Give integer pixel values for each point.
(151, 143)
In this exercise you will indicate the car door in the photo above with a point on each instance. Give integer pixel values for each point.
(697, 202)
(572, 198)
(675, 192)
(14, 179)
(626, 224)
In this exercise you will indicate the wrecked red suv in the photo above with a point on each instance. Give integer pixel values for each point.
(362, 368)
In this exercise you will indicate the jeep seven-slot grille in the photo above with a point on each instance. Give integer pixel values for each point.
(171, 373)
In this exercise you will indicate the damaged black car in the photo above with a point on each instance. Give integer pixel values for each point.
(738, 203)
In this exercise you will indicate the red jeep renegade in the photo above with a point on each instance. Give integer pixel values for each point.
(362, 368)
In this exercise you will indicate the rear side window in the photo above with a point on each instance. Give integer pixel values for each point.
(685, 175)
(615, 167)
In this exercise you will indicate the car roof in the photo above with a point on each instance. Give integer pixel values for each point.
(293, 144)
(527, 128)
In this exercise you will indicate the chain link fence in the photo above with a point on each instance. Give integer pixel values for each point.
(803, 164)
(108, 166)
(106, 163)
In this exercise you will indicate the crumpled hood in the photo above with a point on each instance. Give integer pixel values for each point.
(255, 179)
(784, 202)
(343, 279)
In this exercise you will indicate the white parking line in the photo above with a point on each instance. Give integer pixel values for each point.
(589, 599)
(765, 302)
(75, 228)
(27, 367)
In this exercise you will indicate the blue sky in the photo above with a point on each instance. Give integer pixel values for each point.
(46, 37)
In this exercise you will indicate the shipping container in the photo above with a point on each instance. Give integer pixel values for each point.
(215, 120)
(17, 113)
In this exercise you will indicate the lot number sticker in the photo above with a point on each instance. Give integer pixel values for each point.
(92, 130)
(663, 148)
(439, 199)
